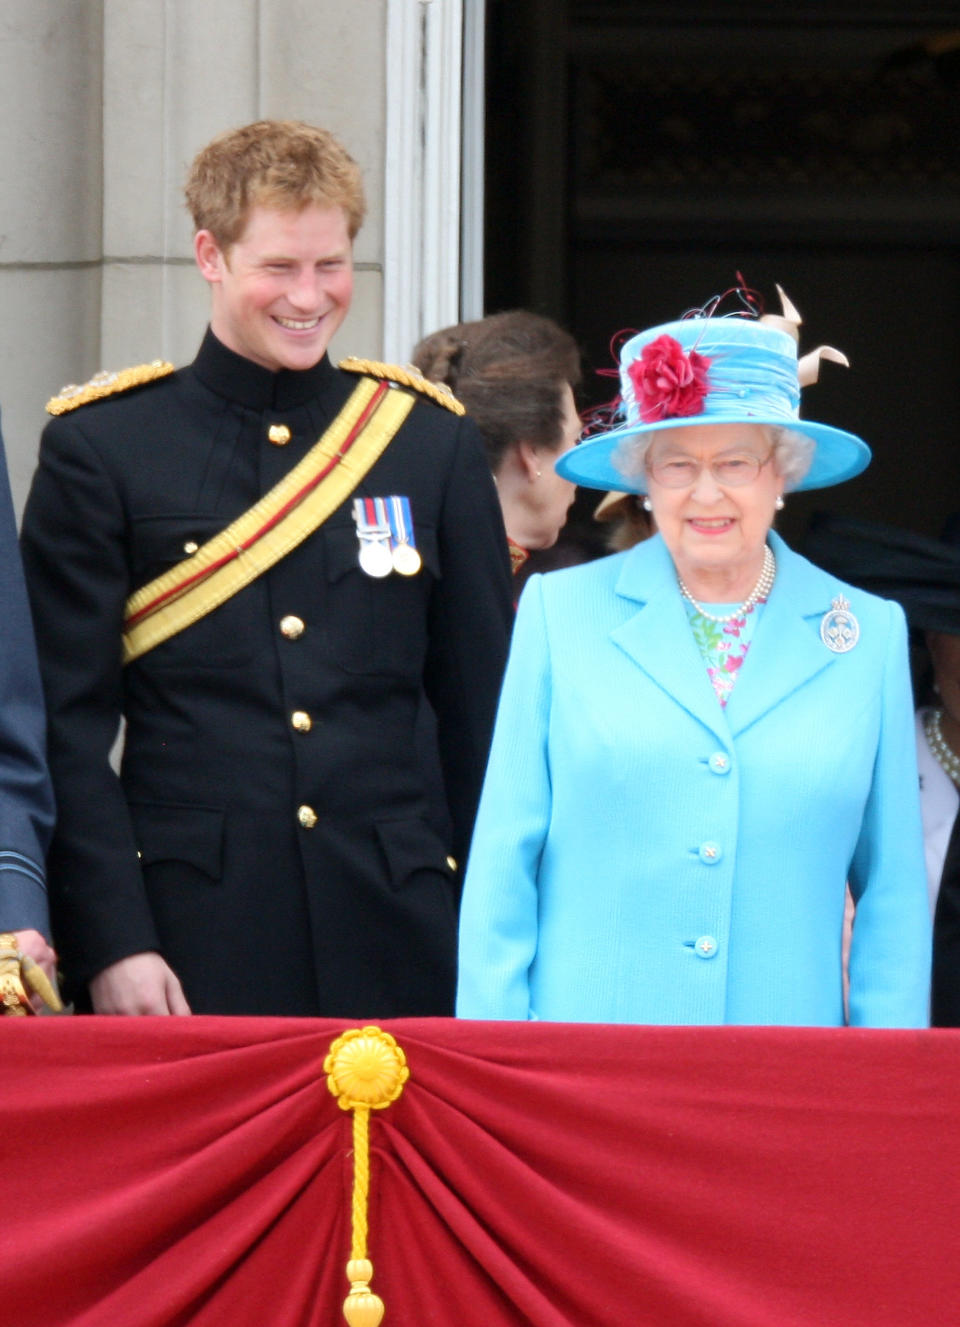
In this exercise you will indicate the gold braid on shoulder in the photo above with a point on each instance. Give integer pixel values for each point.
(105, 383)
(407, 376)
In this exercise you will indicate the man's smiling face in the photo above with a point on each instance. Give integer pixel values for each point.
(283, 289)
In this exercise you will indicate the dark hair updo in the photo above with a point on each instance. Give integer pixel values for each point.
(509, 370)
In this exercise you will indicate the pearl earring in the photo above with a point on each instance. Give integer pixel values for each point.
(647, 505)
(779, 502)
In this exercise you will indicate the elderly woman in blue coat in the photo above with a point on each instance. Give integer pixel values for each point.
(703, 740)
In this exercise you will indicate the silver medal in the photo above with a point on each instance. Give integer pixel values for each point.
(373, 533)
(375, 558)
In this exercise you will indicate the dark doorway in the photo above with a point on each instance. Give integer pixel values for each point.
(640, 154)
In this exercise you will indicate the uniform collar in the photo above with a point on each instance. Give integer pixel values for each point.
(239, 379)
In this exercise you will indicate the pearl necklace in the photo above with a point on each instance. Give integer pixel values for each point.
(941, 750)
(759, 591)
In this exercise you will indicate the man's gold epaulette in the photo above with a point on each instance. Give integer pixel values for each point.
(405, 377)
(106, 383)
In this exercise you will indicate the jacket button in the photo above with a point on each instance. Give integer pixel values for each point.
(452, 863)
(719, 763)
(705, 947)
(301, 721)
(190, 547)
(710, 852)
(291, 626)
(306, 816)
(279, 435)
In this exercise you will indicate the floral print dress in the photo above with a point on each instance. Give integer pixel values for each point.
(723, 645)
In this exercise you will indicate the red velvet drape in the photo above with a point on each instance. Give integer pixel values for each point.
(159, 1172)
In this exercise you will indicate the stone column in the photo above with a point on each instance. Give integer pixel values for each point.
(178, 73)
(50, 204)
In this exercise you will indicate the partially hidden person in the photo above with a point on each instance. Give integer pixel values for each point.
(26, 797)
(922, 574)
(516, 374)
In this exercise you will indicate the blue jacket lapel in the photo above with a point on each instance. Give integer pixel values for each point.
(786, 651)
(785, 654)
(658, 637)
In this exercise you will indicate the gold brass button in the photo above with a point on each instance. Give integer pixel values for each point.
(191, 546)
(307, 816)
(452, 863)
(291, 626)
(279, 435)
(301, 721)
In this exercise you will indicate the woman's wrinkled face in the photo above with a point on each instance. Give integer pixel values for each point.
(710, 520)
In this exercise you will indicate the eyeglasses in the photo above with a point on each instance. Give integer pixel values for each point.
(732, 470)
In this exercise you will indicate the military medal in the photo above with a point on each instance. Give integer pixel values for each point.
(839, 629)
(375, 560)
(406, 559)
(373, 532)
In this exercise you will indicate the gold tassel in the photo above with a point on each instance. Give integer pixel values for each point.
(366, 1070)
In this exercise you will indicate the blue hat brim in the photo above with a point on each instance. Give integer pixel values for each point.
(838, 456)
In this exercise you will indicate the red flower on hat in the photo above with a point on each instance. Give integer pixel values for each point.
(668, 381)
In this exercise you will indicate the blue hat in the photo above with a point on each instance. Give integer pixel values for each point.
(716, 370)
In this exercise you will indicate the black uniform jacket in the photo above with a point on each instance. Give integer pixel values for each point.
(205, 847)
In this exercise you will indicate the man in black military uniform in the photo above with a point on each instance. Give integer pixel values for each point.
(264, 563)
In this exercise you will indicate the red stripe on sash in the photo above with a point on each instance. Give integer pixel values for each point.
(382, 389)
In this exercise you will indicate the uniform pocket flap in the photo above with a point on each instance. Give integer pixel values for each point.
(162, 542)
(410, 846)
(192, 834)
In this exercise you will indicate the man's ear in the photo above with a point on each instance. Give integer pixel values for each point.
(211, 259)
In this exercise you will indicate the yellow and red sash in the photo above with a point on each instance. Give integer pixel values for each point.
(281, 520)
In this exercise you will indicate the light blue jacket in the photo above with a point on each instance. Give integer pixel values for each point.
(641, 855)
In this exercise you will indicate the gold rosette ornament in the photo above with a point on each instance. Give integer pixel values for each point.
(366, 1070)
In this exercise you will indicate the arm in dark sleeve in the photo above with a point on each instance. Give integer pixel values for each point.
(471, 619)
(26, 799)
(74, 551)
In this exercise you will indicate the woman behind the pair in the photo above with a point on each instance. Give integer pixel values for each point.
(701, 740)
(923, 575)
(515, 373)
